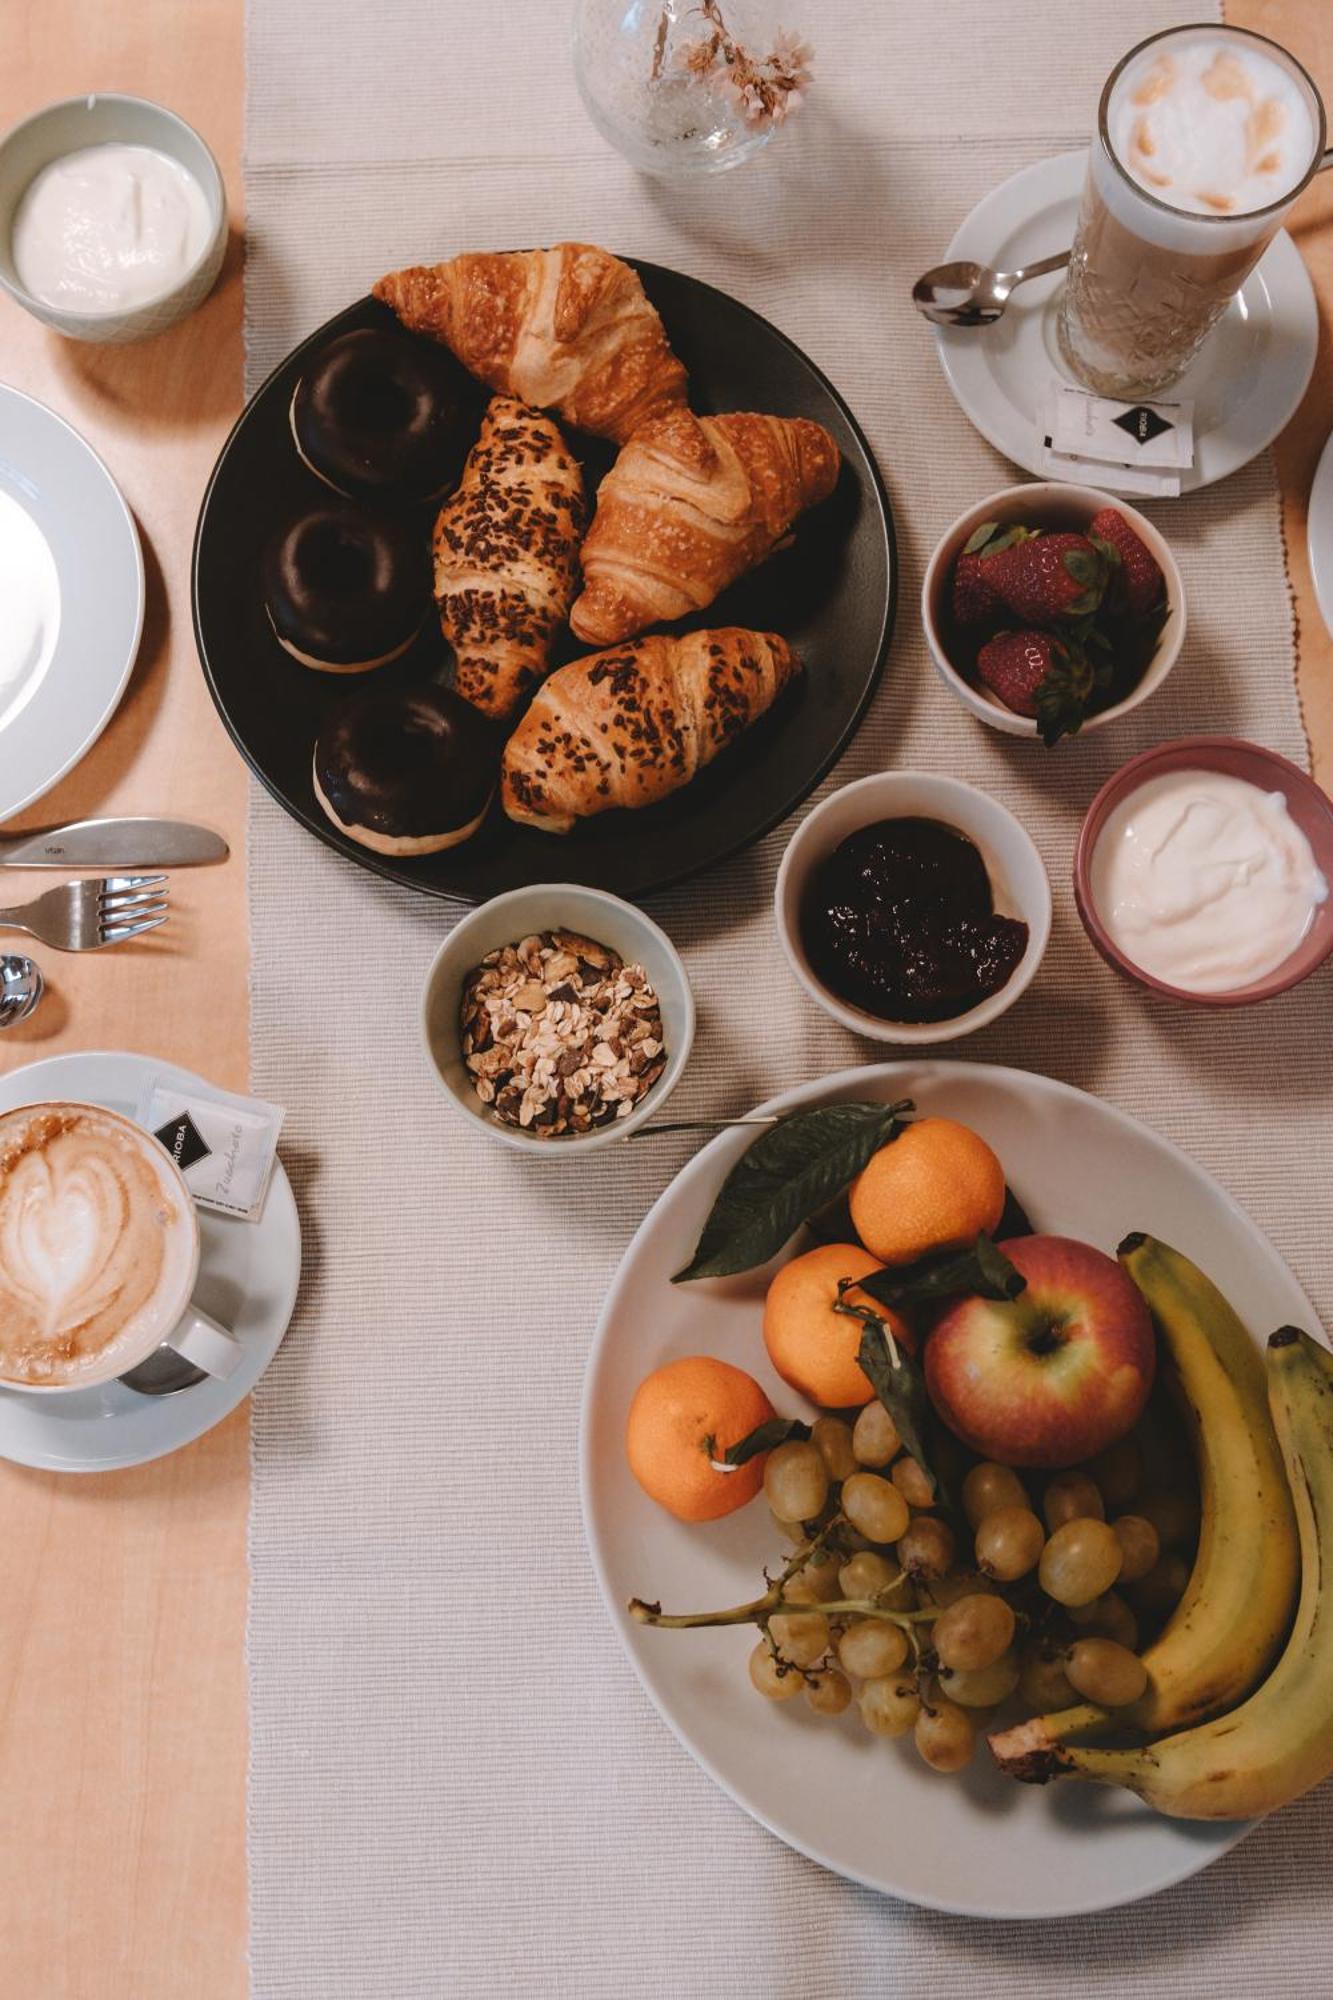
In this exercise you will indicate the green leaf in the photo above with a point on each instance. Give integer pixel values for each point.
(766, 1437)
(991, 539)
(982, 1270)
(901, 1387)
(1062, 697)
(798, 1166)
(1107, 549)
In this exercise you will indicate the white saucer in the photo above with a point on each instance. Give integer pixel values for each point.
(1319, 530)
(1246, 384)
(63, 485)
(248, 1279)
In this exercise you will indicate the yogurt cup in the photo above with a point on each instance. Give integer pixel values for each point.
(1231, 757)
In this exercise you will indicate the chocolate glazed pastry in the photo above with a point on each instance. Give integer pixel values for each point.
(407, 771)
(346, 590)
(380, 416)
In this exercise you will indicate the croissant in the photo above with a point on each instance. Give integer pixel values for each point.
(629, 726)
(689, 505)
(567, 329)
(506, 555)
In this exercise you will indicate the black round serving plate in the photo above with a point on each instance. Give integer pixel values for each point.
(831, 593)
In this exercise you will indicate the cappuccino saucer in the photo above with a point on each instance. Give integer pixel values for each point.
(248, 1278)
(1246, 384)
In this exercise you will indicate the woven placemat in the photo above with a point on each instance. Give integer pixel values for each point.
(457, 1786)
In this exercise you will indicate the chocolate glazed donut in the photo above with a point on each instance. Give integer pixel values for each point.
(406, 771)
(379, 415)
(347, 590)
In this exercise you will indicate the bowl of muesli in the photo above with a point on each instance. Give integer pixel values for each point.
(558, 1018)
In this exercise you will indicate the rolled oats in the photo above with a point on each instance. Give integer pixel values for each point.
(559, 1035)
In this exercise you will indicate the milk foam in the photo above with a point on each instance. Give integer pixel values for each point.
(1211, 125)
(96, 1249)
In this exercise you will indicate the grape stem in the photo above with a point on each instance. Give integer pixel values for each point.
(760, 1609)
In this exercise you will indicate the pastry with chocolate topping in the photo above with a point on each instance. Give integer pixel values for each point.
(380, 416)
(406, 771)
(506, 555)
(346, 590)
(629, 726)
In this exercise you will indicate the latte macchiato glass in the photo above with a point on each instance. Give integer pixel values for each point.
(99, 1252)
(1205, 137)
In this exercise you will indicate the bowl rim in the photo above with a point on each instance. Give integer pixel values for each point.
(993, 713)
(1127, 780)
(214, 190)
(917, 1033)
(601, 1136)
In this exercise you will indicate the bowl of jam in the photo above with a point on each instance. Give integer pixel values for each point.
(913, 907)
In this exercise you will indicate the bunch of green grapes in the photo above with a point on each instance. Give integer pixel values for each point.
(929, 1624)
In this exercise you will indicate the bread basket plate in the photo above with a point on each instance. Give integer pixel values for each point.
(831, 595)
(978, 1844)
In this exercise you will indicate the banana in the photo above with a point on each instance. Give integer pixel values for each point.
(1280, 1742)
(1237, 1606)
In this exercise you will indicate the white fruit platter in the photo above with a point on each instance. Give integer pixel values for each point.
(870, 1809)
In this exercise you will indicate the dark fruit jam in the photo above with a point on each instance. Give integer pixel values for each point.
(900, 921)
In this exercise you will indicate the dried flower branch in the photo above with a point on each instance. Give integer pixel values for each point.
(762, 88)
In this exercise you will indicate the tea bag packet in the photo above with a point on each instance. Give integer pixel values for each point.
(1136, 447)
(224, 1145)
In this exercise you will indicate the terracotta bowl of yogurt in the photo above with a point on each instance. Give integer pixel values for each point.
(1204, 872)
(113, 217)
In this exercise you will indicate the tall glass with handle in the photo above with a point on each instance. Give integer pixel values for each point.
(1205, 137)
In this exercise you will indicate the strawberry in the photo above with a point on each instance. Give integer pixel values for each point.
(974, 600)
(1137, 583)
(1034, 674)
(1049, 577)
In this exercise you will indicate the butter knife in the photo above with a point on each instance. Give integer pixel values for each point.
(114, 843)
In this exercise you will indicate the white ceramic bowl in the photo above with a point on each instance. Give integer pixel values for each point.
(97, 119)
(1045, 504)
(1018, 880)
(545, 907)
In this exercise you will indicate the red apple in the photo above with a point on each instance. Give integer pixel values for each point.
(1053, 1376)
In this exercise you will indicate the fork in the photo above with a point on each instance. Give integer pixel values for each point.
(85, 916)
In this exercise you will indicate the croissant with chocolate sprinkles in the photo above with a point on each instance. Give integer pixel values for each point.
(506, 555)
(630, 726)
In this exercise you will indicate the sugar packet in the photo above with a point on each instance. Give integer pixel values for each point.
(223, 1144)
(1137, 447)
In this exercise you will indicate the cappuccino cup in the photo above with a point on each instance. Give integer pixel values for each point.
(99, 1253)
(1205, 137)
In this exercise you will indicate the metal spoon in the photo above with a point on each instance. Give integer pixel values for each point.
(972, 294)
(21, 988)
(967, 294)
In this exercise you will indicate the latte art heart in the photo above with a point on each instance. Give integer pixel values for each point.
(94, 1249)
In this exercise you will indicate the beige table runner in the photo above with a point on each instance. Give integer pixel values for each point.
(457, 1787)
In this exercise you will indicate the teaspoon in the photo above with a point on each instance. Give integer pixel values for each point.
(21, 988)
(966, 294)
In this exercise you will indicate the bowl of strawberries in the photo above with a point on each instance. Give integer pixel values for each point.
(1050, 608)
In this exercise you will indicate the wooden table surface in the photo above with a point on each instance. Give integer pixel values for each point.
(123, 1738)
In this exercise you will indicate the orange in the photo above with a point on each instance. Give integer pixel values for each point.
(810, 1345)
(683, 1416)
(934, 1187)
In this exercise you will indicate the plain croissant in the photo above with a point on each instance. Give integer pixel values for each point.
(506, 555)
(567, 329)
(689, 505)
(629, 726)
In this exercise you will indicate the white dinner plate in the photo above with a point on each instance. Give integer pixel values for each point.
(64, 488)
(249, 1275)
(979, 1845)
(1245, 384)
(1319, 529)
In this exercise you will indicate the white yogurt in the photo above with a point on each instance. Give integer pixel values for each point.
(109, 228)
(1205, 881)
(29, 607)
(1210, 124)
